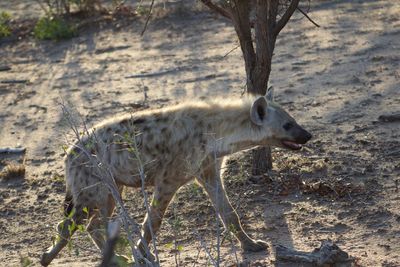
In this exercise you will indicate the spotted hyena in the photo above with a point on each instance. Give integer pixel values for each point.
(176, 145)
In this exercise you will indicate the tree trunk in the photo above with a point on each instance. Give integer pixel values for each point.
(257, 60)
(262, 160)
(257, 53)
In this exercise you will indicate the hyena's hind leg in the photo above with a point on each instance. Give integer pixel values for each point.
(164, 190)
(98, 222)
(64, 229)
(96, 226)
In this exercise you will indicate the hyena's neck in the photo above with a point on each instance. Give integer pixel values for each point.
(239, 139)
(229, 129)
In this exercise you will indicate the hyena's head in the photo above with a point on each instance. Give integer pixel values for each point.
(278, 127)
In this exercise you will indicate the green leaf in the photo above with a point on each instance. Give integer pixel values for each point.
(85, 210)
(81, 228)
(71, 227)
(72, 213)
(155, 202)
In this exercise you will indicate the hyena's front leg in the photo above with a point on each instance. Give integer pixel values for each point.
(211, 181)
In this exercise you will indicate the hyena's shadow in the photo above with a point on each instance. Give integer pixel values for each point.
(276, 231)
(279, 230)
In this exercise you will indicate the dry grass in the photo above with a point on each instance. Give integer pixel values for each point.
(12, 171)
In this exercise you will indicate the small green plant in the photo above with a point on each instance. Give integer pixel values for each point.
(4, 27)
(25, 261)
(142, 11)
(48, 28)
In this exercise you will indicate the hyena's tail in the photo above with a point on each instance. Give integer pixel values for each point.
(68, 203)
(64, 231)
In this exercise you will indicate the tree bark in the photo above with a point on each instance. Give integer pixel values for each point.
(262, 160)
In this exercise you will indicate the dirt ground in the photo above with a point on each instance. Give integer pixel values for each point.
(336, 80)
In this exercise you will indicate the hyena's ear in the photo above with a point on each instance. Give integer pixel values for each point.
(270, 94)
(258, 111)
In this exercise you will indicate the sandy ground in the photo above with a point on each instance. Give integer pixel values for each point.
(336, 80)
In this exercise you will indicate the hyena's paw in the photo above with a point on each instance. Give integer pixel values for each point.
(146, 254)
(255, 246)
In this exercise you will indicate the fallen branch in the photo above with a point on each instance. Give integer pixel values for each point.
(327, 254)
(5, 68)
(14, 81)
(389, 117)
(12, 150)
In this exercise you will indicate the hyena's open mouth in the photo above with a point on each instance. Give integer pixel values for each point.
(291, 145)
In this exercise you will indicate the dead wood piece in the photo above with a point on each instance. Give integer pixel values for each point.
(327, 254)
(389, 117)
(12, 150)
(14, 81)
(5, 68)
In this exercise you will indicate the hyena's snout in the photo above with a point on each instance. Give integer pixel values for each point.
(302, 136)
(298, 136)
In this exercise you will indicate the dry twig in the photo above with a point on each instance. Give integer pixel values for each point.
(308, 17)
(148, 18)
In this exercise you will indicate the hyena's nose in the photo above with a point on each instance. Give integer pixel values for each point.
(303, 137)
(307, 136)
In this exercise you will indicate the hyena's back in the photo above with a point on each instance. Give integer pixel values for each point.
(169, 144)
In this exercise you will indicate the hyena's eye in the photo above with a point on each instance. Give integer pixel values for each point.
(287, 126)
